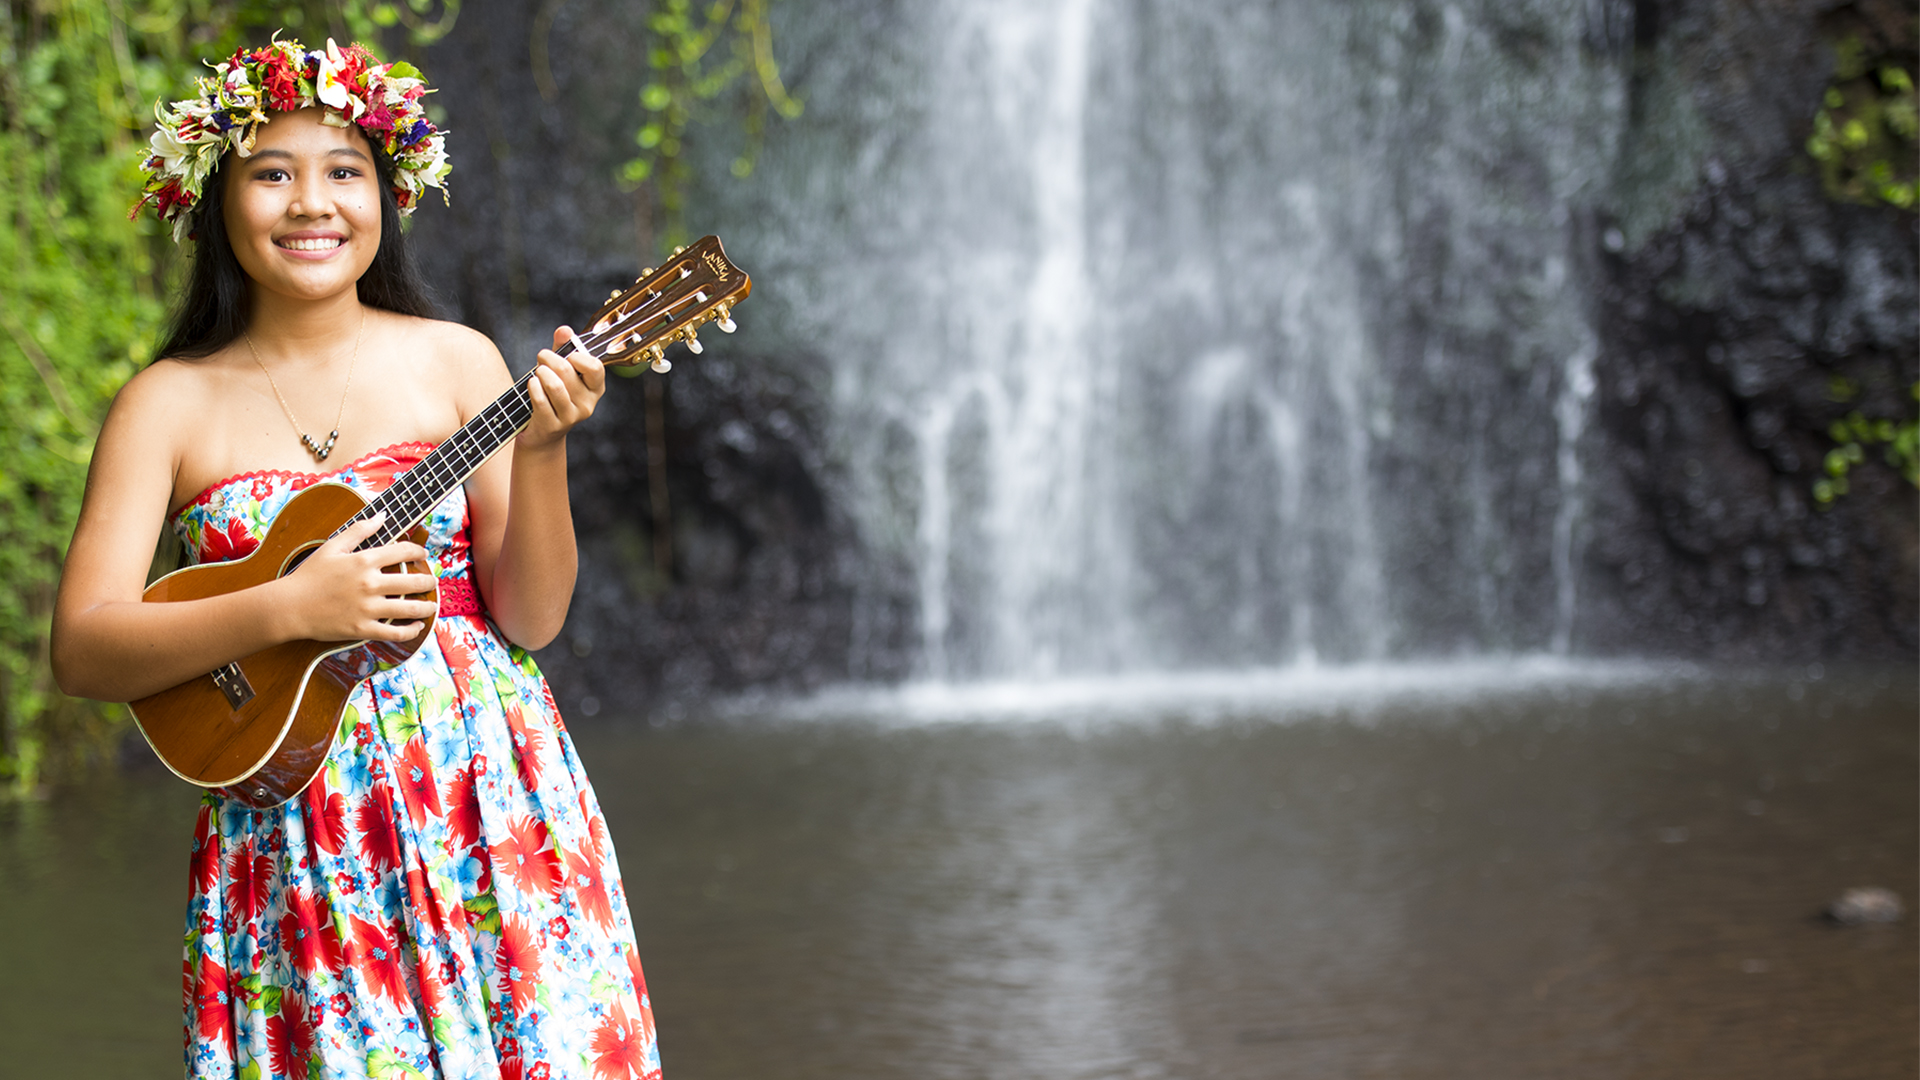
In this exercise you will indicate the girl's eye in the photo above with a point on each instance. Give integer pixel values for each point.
(273, 174)
(345, 173)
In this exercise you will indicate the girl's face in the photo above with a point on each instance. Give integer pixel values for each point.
(303, 212)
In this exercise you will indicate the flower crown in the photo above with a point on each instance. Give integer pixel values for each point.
(350, 84)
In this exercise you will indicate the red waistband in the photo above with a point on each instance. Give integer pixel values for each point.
(459, 597)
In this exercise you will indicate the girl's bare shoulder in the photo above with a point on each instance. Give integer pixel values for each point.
(451, 347)
(170, 388)
(449, 355)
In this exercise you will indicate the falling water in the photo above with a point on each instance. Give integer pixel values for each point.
(1172, 337)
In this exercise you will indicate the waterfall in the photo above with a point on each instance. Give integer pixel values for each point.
(1169, 337)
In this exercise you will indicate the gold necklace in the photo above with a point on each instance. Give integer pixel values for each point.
(317, 449)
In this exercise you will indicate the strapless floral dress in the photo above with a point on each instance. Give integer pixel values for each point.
(443, 901)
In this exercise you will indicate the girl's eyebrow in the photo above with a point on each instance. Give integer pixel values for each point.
(288, 155)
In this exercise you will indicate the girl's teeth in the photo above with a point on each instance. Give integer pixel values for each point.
(310, 245)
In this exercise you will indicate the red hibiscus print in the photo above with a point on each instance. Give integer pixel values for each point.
(619, 1048)
(307, 931)
(416, 782)
(378, 960)
(379, 833)
(518, 962)
(203, 868)
(528, 744)
(226, 544)
(290, 1038)
(211, 1004)
(326, 818)
(529, 857)
(596, 828)
(463, 810)
(249, 883)
(583, 873)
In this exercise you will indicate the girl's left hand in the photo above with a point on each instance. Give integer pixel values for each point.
(564, 391)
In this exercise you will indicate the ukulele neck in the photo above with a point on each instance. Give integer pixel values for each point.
(418, 490)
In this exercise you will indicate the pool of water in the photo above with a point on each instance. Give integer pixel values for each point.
(1597, 871)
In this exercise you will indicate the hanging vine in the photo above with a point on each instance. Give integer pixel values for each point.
(698, 55)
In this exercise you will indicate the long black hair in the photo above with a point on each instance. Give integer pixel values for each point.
(213, 310)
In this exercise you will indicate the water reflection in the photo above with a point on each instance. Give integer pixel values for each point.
(1572, 878)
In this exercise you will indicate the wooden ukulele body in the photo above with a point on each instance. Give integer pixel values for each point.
(259, 729)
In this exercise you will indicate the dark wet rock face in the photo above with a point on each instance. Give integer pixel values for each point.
(758, 583)
(1723, 331)
(1386, 364)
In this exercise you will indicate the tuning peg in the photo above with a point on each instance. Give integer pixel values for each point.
(724, 319)
(693, 342)
(660, 362)
(647, 272)
(613, 294)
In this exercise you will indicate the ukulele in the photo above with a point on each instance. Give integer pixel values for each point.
(259, 729)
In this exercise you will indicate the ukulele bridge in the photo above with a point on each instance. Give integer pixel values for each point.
(233, 683)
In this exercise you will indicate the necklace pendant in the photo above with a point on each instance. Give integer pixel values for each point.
(319, 450)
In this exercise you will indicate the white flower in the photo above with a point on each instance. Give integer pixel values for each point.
(168, 148)
(330, 89)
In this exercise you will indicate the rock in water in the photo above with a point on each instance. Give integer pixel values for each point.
(1868, 905)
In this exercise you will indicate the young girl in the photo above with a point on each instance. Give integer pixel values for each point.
(442, 901)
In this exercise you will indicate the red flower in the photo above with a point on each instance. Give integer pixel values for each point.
(282, 83)
(528, 742)
(212, 1007)
(463, 810)
(203, 868)
(377, 960)
(379, 833)
(326, 818)
(596, 827)
(307, 931)
(529, 857)
(225, 545)
(557, 927)
(377, 117)
(517, 961)
(619, 1048)
(416, 782)
(540, 1071)
(290, 1038)
(589, 888)
(249, 881)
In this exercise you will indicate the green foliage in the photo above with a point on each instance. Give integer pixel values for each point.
(1853, 434)
(691, 72)
(313, 21)
(76, 318)
(1864, 135)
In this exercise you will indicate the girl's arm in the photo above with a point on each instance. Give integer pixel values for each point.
(109, 645)
(523, 546)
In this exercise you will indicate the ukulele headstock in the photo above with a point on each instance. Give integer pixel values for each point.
(697, 286)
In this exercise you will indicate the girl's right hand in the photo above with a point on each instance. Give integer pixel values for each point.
(339, 594)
